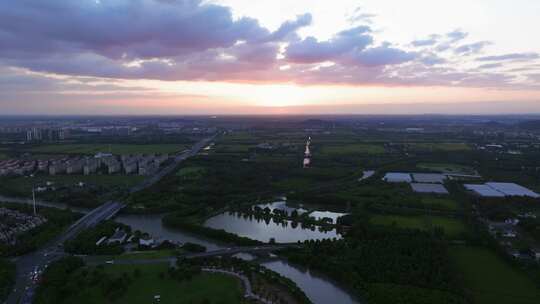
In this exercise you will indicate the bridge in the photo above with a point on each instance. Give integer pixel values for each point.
(171, 260)
(25, 286)
(242, 249)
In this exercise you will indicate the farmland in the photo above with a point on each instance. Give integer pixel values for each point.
(451, 227)
(490, 280)
(352, 149)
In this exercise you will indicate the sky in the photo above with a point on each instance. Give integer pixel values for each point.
(189, 57)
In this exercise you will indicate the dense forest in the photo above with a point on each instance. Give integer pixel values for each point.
(386, 266)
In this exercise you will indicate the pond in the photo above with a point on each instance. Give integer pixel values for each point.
(152, 225)
(261, 230)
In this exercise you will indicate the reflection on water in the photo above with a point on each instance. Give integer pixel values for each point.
(326, 214)
(264, 230)
(317, 288)
(282, 205)
(153, 226)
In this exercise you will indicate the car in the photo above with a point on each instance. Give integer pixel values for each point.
(109, 262)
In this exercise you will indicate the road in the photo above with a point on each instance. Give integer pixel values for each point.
(29, 266)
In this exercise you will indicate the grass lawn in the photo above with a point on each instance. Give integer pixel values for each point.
(491, 280)
(448, 147)
(25, 184)
(451, 227)
(445, 203)
(215, 288)
(446, 168)
(353, 149)
(193, 172)
(411, 222)
(112, 148)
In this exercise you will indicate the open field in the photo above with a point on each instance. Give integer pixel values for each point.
(203, 288)
(192, 172)
(446, 147)
(353, 149)
(491, 280)
(446, 168)
(110, 148)
(439, 203)
(233, 148)
(451, 227)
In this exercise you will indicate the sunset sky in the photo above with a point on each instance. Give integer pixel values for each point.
(269, 57)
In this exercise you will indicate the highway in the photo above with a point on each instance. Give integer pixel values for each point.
(31, 265)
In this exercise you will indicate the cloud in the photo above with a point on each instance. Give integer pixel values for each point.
(383, 55)
(490, 66)
(310, 50)
(457, 35)
(359, 16)
(290, 27)
(193, 40)
(512, 56)
(432, 40)
(471, 48)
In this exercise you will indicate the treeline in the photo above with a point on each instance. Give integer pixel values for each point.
(7, 278)
(85, 242)
(57, 221)
(371, 260)
(181, 222)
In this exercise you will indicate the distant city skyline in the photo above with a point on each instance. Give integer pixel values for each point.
(269, 57)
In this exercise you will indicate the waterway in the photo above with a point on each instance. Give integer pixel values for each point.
(318, 288)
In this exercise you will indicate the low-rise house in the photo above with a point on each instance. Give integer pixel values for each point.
(119, 237)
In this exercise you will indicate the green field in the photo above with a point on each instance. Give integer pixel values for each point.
(203, 288)
(352, 149)
(192, 172)
(491, 280)
(446, 168)
(447, 147)
(109, 148)
(233, 148)
(3, 156)
(451, 227)
(439, 203)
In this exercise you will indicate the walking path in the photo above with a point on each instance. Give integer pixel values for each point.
(245, 281)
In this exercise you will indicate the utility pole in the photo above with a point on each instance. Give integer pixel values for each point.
(34, 199)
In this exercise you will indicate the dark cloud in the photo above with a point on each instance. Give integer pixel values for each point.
(512, 56)
(121, 29)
